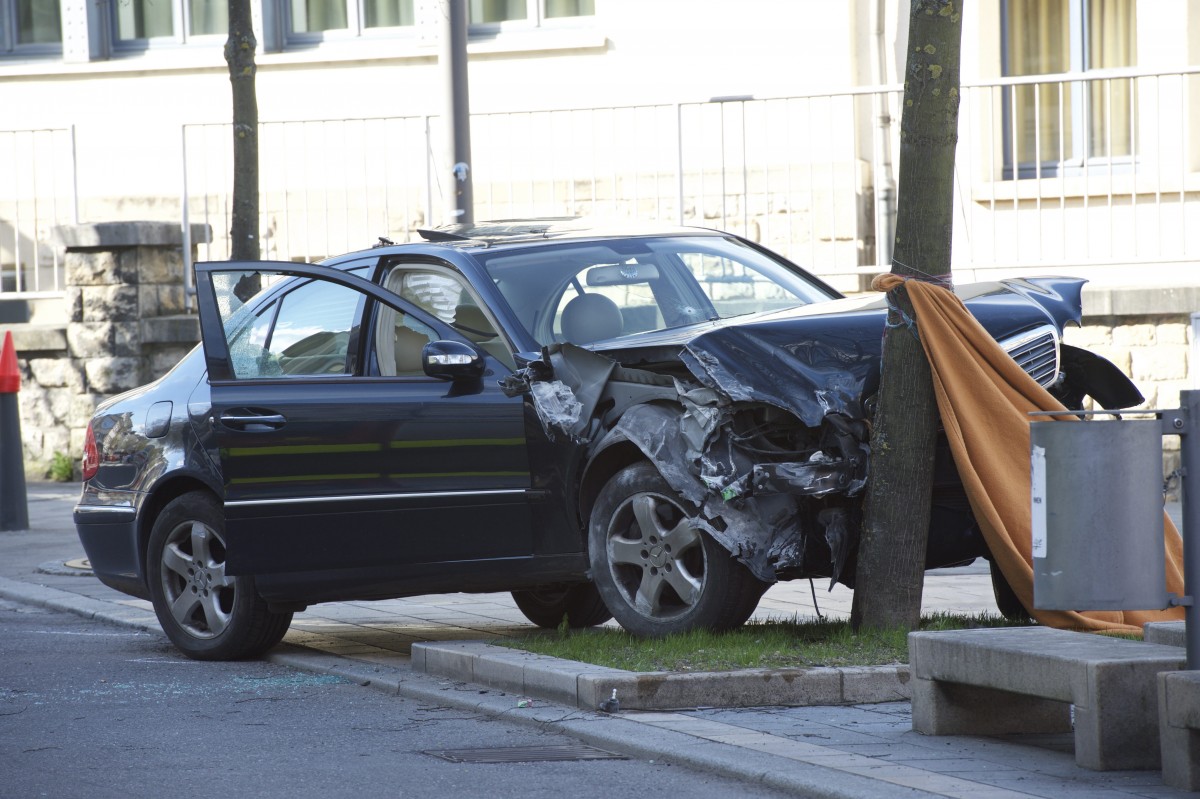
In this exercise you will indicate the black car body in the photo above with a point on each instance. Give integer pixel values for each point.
(478, 413)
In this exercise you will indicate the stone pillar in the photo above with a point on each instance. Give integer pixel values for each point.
(122, 278)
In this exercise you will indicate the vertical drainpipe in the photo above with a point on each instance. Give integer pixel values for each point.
(885, 187)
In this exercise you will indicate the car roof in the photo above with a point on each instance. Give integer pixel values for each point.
(514, 231)
(501, 233)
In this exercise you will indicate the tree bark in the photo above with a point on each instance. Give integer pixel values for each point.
(895, 531)
(239, 54)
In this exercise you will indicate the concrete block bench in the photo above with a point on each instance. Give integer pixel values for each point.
(1179, 728)
(1025, 679)
(1171, 633)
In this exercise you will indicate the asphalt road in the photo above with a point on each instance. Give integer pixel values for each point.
(92, 710)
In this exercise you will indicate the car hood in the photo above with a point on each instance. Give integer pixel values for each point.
(824, 357)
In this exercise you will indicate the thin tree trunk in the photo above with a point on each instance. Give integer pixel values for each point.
(891, 558)
(239, 54)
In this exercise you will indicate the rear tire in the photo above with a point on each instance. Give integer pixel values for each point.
(547, 605)
(206, 614)
(657, 571)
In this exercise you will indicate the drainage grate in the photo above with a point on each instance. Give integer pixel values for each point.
(525, 754)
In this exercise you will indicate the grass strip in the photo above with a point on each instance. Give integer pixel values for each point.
(774, 643)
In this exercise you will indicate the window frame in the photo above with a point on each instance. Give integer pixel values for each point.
(1078, 22)
(181, 19)
(11, 48)
(356, 29)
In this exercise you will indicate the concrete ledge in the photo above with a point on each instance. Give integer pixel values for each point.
(35, 338)
(110, 235)
(1167, 633)
(1139, 301)
(972, 682)
(584, 685)
(1179, 728)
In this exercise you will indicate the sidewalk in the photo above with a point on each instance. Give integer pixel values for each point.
(864, 750)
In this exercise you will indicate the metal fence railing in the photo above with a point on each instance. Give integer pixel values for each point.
(37, 171)
(1086, 172)
(1080, 172)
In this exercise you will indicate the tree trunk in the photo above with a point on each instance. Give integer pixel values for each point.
(239, 54)
(895, 531)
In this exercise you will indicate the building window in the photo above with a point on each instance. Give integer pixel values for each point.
(316, 20)
(493, 12)
(308, 17)
(30, 27)
(139, 22)
(1057, 128)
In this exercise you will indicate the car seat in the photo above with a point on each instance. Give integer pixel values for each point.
(591, 317)
(409, 344)
(478, 329)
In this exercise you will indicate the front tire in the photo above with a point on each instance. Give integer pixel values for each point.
(657, 571)
(206, 614)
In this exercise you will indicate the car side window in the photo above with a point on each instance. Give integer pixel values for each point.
(305, 331)
(445, 296)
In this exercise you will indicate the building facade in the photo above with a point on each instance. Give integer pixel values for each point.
(776, 119)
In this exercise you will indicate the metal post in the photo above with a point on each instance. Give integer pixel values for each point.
(460, 203)
(14, 504)
(1189, 491)
(186, 230)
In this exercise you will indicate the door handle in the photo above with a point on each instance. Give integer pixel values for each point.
(241, 421)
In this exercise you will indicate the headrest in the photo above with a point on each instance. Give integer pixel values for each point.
(591, 317)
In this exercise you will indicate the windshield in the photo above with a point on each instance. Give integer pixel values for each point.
(584, 292)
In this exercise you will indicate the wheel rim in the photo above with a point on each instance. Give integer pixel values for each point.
(198, 594)
(656, 557)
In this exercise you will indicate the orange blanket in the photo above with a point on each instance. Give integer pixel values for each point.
(984, 398)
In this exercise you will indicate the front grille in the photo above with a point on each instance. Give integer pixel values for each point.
(1036, 351)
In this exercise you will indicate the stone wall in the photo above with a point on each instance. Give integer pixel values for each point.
(122, 323)
(1147, 333)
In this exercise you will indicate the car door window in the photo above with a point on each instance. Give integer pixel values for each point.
(444, 295)
(303, 331)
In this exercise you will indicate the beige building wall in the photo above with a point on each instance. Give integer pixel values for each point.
(127, 113)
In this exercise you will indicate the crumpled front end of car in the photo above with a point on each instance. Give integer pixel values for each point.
(763, 425)
(779, 494)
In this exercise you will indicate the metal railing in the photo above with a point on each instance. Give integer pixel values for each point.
(38, 172)
(1107, 166)
(1108, 173)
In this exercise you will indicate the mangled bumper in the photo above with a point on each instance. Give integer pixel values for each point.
(774, 509)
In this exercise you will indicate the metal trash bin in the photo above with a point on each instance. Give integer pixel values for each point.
(1097, 504)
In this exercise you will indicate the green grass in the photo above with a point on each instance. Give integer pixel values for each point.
(62, 468)
(798, 643)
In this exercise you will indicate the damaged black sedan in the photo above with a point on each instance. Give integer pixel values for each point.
(651, 426)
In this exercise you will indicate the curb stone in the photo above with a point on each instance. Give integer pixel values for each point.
(624, 735)
(585, 685)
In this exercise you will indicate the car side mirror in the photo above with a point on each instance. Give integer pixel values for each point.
(451, 360)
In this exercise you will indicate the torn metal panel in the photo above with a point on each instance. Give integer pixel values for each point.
(746, 484)
(655, 429)
(763, 363)
(566, 384)
(556, 406)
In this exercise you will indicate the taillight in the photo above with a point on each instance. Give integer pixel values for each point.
(91, 456)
